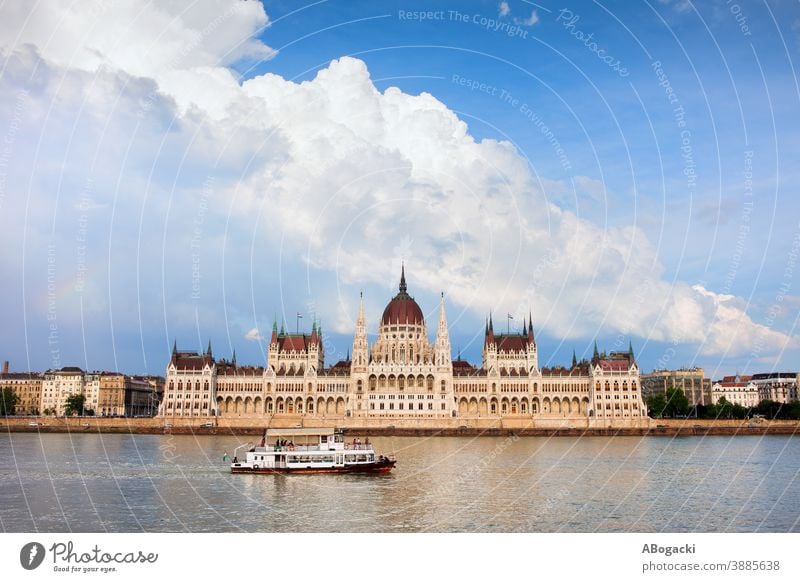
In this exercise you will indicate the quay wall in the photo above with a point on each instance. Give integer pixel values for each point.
(406, 427)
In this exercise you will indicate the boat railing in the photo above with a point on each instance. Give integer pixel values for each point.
(295, 448)
(361, 447)
(292, 448)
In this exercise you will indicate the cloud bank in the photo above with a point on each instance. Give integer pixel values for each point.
(132, 114)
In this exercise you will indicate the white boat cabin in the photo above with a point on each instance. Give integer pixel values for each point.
(305, 449)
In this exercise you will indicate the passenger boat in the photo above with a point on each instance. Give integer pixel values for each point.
(310, 451)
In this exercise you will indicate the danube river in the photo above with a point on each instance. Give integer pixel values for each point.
(125, 483)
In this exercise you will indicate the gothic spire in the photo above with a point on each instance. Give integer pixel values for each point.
(596, 353)
(630, 350)
(208, 351)
(574, 358)
(174, 347)
(403, 286)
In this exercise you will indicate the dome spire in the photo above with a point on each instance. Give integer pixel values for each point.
(403, 278)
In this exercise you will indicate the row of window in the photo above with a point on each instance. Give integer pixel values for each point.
(401, 396)
(400, 406)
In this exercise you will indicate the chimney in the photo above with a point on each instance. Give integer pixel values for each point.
(5, 367)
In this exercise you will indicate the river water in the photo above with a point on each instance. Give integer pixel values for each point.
(132, 483)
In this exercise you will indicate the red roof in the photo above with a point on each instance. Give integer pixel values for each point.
(228, 369)
(191, 360)
(296, 342)
(463, 368)
(402, 310)
(614, 365)
(511, 343)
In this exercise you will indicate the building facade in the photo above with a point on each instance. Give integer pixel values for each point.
(140, 396)
(111, 398)
(403, 375)
(28, 388)
(777, 386)
(736, 390)
(693, 382)
(58, 385)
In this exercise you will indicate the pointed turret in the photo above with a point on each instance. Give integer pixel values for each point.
(233, 359)
(574, 358)
(282, 332)
(174, 347)
(596, 354)
(630, 351)
(491, 329)
(360, 345)
(314, 336)
(403, 278)
(208, 351)
(274, 338)
(442, 344)
(530, 327)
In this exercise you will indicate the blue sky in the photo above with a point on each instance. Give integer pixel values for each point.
(493, 150)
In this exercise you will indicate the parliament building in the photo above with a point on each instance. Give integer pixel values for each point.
(402, 376)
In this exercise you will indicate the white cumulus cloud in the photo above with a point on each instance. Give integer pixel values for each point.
(253, 335)
(339, 175)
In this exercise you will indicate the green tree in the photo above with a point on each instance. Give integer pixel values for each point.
(738, 411)
(656, 404)
(8, 400)
(74, 405)
(793, 410)
(677, 403)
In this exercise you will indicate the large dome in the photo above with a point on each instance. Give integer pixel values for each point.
(402, 308)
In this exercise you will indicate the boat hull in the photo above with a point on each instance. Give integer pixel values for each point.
(377, 467)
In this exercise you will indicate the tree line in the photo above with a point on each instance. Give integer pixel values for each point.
(73, 406)
(674, 404)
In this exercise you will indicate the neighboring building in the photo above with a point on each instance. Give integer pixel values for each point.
(403, 375)
(58, 385)
(28, 388)
(91, 391)
(693, 382)
(157, 391)
(737, 390)
(777, 386)
(140, 398)
(122, 395)
(111, 399)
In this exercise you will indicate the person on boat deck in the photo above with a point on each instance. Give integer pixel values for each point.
(235, 459)
(366, 441)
